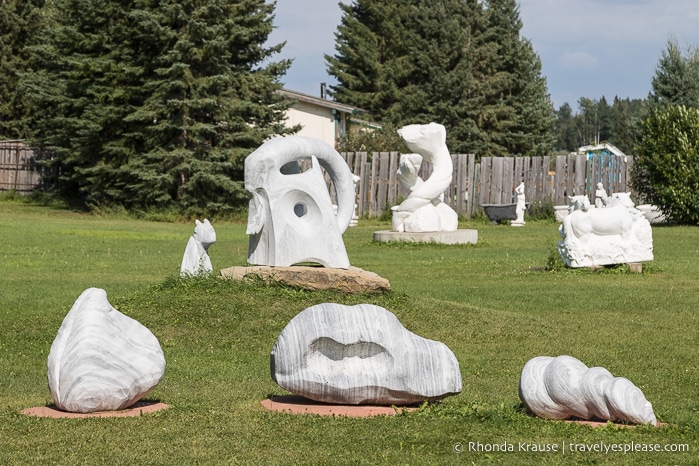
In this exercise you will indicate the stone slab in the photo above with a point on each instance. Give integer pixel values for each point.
(137, 409)
(441, 237)
(294, 404)
(352, 280)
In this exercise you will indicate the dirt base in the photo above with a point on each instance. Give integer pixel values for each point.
(295, 404)
(137, 409)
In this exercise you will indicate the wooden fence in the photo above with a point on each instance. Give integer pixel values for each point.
(18, 168)
(492, 180)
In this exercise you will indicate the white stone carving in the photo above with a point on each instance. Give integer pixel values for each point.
(601, 197)
(101, 359)
(424, 209)
(196, 258)
(291, 217)
(564, 387)
(521, 206)
(616, 234)
(361, 355)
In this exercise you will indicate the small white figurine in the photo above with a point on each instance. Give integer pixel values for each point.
(196, 258)
(521, 206)
(600, 196)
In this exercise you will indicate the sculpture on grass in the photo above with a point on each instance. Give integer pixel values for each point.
(616, 234)
(361, 355)
(564, 388)
(196, 258)
(424, 210)
(102, 360)
(520, 207)
(291, 219)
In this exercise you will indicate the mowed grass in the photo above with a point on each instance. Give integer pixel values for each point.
(495, 304)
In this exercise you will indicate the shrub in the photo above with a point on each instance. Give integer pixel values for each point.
(666, 172)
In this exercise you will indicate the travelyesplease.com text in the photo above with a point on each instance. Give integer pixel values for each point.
(569, 447)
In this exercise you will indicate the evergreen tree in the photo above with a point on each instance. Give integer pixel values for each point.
(516, 112)
(155, 103)
(21, 23)
(566, 140)
(413, 61)
(676, 79)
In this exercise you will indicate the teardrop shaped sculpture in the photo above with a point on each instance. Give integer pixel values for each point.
(564, 387)
(101, 359)
(361, 355)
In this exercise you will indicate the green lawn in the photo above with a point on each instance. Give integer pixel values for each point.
(495, 304)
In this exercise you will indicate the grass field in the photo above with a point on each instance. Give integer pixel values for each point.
(495, 304)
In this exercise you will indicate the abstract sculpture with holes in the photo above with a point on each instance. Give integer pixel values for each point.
(291, 218)
(424, 209)
(616, 234)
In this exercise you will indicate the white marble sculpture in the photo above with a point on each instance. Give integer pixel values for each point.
(564, 388)
(424, 210)
(196, 258)
(600, 196)
(520, 207)
(361, 355)
(616, 234)
(291, 217)
(101, 359)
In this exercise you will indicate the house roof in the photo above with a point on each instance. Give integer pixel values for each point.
(300, 96)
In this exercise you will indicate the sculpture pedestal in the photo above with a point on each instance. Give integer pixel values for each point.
(441, 237)
(352, 280)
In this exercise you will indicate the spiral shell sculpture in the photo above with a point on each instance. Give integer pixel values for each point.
(564, 387)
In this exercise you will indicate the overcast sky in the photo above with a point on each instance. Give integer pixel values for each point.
(588, 48)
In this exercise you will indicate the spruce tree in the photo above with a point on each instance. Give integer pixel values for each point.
(21, 24)
(155, 103)
(516, 111)
(676, 79)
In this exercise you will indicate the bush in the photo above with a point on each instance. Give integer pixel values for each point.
(666, 172)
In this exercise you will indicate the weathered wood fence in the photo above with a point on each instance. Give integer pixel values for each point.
(19, 170)
(492, 180)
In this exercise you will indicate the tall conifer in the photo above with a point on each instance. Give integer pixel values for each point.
(153, 103)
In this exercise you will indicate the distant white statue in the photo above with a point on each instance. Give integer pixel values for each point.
(196, 258)
(600, 196)
(291, 218)
(424, 209)
(617, 234)
(521, 206)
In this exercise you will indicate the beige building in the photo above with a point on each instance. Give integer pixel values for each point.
(320, 118)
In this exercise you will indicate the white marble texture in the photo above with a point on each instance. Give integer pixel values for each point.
(101, 359)
(361, 355)
(564, 387)
(616, 234)
(424, 209)
(291, 218)
(196, 258)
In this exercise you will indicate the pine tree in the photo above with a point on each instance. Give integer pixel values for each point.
(516, 112)
(21, 26)
(447, 61)
(676, 79)
(155, 103)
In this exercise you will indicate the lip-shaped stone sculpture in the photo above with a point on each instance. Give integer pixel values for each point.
(101, 359)
(564, 387)
(361, 355)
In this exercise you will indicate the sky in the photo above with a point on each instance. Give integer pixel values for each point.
(588, 48)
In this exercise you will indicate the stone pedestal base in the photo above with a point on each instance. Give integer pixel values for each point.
(352, 280)
(441, 237)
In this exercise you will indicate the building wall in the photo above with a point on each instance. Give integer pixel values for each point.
(318, 122)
